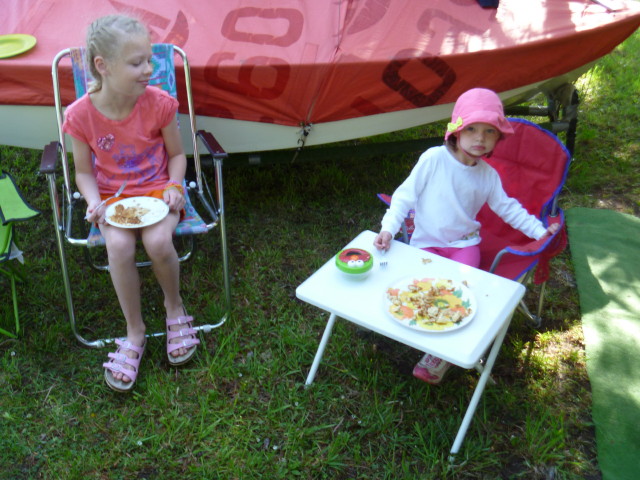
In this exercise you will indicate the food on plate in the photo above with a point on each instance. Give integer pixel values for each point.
(433, 304)
(128, 215)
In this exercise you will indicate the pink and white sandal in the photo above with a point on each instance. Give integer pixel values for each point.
(191, 342)
(117, 363)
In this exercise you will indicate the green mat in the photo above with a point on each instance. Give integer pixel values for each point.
(605, 247)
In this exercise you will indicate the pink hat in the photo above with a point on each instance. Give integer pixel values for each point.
(478, 105)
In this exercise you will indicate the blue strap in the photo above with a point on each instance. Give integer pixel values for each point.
(164, 74)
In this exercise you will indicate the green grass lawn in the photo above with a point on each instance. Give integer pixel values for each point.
(240, 410)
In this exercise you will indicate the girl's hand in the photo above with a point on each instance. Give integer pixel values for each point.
(383, 241)
(174, 198)
(95, 215)
(553, 229)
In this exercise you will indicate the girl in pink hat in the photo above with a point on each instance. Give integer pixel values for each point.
(447, 188)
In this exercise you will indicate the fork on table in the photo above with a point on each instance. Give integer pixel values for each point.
(384, 263)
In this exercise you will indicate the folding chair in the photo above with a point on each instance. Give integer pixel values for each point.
(13, 208)
(533, 165)
(69, 207)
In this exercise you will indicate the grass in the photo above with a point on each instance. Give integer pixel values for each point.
(240, 410)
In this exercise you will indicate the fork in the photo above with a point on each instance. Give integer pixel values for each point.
(124, 184)
(384, 263)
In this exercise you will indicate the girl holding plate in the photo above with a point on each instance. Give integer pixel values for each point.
(131, 130)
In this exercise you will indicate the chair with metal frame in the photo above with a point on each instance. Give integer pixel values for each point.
(69, 207)
(13, 208)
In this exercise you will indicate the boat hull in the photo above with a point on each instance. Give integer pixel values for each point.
(33, 127)
(276, 76)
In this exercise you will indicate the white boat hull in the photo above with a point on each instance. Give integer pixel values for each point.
(34, 126)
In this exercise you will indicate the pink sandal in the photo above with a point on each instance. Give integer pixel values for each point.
(117, 362)
(190, 343)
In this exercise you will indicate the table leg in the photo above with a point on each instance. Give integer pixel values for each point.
(321, 347)
(477, 394)
(480, 368)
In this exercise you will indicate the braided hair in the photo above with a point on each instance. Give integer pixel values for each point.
(105, 38)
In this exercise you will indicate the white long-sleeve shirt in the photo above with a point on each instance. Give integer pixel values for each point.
(447, 196)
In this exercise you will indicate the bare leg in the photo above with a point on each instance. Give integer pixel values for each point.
(121, 246)
(158, 242)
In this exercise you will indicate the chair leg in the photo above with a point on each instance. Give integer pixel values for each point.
(69, 297)
(541, 300)
(61, 242)
(223, 236)
(217, 163)
(534, 320)
(14, 297)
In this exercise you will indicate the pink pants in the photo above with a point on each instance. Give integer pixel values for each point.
(467, 255)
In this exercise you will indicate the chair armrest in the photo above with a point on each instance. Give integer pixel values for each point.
(49, 158)
(384, 198)
(211, 144)
(408, 225)
(534, 247)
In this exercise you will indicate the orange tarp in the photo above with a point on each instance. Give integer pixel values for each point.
(294, 61)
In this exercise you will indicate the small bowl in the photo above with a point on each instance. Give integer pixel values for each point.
(354, 262)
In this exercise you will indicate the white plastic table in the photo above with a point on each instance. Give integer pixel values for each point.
(362, 301)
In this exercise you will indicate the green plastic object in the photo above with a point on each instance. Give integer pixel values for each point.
(354, 261)
(13, 208)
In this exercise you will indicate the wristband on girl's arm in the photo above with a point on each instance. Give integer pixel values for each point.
(175, 185)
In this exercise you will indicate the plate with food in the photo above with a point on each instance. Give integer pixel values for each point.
(430, 304)
(136, 212)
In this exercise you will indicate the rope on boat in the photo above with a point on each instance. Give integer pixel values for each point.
(303, 133)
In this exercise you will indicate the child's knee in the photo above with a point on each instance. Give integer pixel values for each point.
(120, 246)
(159, 246)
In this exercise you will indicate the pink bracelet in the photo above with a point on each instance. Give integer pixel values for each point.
(175, 185)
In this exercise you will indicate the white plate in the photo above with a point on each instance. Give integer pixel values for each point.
(451, 295)
(157, 211)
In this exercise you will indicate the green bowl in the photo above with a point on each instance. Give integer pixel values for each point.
(355, 262)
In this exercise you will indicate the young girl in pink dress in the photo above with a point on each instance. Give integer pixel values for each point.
(447, 188)
(131, 131)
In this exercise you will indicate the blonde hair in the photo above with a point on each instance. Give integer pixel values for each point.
(105, 38)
